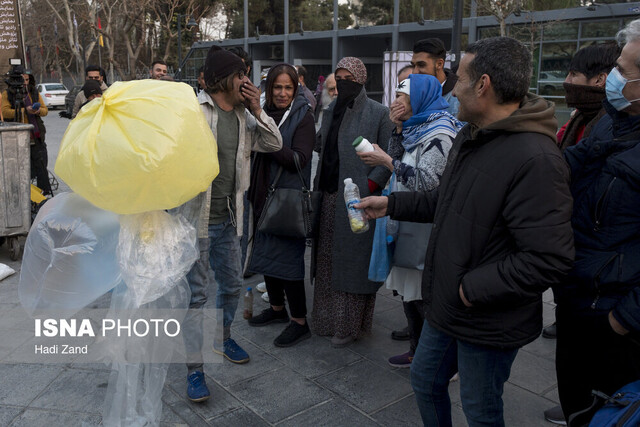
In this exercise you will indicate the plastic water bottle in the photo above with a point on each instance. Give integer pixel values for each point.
(356, 216)
(392, 234)
(362, 144)
(248, 304)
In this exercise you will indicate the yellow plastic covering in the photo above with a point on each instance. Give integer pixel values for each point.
(144, 146)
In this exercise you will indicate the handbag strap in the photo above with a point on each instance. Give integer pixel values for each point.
(272, 187)
(299, 169)
(277, 177)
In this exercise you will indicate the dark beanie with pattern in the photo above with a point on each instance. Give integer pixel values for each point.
(221, 63)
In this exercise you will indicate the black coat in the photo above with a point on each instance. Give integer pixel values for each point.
(605, 170)
(501, 229)
(277, 256)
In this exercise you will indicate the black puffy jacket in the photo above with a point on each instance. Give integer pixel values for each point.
(605, 170)
(501, 228)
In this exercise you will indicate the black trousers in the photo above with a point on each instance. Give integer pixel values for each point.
(414, 312)
(591, 356)
(295, 295)
(39, 161)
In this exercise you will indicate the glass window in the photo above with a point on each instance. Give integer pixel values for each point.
(606, 29)
(555, 61)
(489, 32)
(536, 66)
(527, 34)
(56, 87)
(561, 30)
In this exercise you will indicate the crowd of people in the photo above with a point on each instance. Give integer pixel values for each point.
(515, 206)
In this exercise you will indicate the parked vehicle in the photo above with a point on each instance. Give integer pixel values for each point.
(53, 94)
(550, 82)
(70, 99)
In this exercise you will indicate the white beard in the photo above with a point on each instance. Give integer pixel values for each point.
(326, 99)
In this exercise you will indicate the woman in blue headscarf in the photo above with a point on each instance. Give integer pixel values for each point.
(418, 152)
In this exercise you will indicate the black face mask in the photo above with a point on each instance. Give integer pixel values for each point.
(347, 92)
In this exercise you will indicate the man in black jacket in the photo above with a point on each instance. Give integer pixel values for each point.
(598, 310)
(501, 235)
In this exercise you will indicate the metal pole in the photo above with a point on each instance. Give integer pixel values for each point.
(473, 22)
(334, 37)
(396, 26)
(456, 31)
(286, 31)
(179, 43)
(246, 26)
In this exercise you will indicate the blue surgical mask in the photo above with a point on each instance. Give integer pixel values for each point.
(615, 84)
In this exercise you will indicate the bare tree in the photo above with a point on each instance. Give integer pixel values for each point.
(166, 13)
(67, 14)
(501, 9)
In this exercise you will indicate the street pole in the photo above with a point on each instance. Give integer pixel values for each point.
(456, 32)
(334, 36)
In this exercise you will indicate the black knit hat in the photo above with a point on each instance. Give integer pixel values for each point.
(221, 63)
(91, 87)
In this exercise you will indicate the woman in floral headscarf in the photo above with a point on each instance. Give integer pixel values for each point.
(417, 155)
(344, 298)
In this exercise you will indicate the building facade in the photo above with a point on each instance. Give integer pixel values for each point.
(554, 36)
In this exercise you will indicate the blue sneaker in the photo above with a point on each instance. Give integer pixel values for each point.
(233, 352)
(197, 389)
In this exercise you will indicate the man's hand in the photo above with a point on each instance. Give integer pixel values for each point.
(395, 112)
(32, 111)
(376, 157)
(464, 299)
(374, 206)
(616, 326)
(251, 96)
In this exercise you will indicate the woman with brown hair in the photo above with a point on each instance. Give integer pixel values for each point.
(281, 259)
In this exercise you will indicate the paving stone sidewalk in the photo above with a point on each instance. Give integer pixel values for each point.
(311, 384)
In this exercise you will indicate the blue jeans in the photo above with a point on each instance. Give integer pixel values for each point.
(483, 372)
(225, 260)
(222, 251)
(198, 279)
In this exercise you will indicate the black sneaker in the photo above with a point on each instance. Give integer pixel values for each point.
(269, 316)
(293, 334)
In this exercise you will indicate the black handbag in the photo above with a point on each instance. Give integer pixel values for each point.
(290, 212)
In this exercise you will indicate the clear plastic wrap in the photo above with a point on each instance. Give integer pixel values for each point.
(133, 397)
(155, 251)
(69, 256)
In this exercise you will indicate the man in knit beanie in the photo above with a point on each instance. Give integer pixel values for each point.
(231, 105)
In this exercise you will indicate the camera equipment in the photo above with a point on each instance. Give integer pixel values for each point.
(16, 88)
